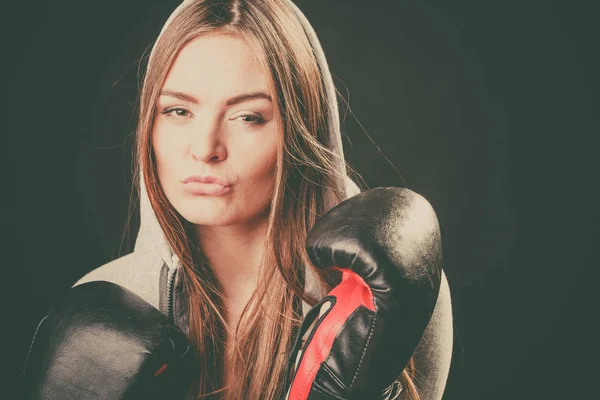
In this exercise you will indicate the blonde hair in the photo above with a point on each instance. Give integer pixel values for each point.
(308, 181)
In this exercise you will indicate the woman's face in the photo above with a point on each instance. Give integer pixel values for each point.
(215, 118)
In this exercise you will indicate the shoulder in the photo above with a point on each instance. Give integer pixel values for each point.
(116, 271)
(141, 276)
(434, 353)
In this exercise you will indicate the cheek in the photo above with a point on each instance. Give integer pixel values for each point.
(259, 164)
(164, 154)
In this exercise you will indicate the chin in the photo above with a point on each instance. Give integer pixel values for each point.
(203, 211)
(205, 215)
(211, 217)
(214, 211)
(207, 218)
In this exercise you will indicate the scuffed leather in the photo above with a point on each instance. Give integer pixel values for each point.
(105, 342)
(391, 238)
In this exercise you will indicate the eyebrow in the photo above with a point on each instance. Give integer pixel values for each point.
(234, 100)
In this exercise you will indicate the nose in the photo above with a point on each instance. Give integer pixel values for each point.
(207, 145)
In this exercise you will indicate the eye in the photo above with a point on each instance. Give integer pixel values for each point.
(180, 112)
(252, 119)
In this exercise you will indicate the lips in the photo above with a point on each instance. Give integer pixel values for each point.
(206, 179)
(206, 185)
(206, 189)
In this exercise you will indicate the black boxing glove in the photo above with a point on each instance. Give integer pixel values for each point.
(360, 337)
(105, 342)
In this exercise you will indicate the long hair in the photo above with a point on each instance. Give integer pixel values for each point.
(305, 171)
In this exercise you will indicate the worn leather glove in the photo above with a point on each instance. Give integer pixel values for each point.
(105, 342)
(358, 339)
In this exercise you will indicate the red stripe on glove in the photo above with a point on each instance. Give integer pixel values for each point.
(351, 293)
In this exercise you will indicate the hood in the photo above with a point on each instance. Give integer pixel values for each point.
(151, 239)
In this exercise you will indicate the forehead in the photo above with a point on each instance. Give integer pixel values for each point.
(215, 66)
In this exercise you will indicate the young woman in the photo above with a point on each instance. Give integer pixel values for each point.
(239, 154)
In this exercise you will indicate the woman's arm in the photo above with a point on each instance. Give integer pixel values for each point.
(434, 352)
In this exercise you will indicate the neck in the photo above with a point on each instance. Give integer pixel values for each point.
(234, 253)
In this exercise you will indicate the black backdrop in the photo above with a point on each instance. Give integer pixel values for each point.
(487, 108)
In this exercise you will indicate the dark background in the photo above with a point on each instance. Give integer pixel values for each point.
(487, 108)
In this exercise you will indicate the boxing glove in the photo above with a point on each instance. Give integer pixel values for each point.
(105, 342)
(358, 339)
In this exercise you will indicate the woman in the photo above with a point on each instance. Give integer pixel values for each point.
(239, 152)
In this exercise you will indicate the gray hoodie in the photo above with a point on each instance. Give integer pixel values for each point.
(152, 269)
